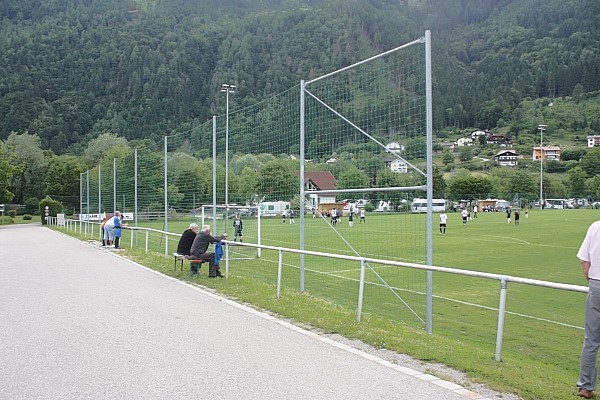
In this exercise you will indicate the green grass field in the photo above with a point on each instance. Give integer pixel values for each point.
(542, 337)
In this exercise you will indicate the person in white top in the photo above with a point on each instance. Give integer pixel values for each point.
(589, 257)
(443, 221)
(475, 211)
(465, 215)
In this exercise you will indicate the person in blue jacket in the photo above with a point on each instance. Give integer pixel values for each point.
(200, 251)
(118, 226)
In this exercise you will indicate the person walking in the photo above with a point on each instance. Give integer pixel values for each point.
(589, 258)
(465, 216)
(292, 217)
(362, 216)
(517, 217)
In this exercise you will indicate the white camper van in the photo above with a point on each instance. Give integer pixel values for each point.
(273, 208)
(420, 205)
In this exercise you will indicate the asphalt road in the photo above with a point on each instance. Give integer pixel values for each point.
(78, 322)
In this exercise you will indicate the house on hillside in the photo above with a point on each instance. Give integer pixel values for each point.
(396, 164)
(500, 140)
(447, 146)
(394, 147)
(319, 181)
(506, 158)
(464, 141)
(475, 135)
(546, 153)
(593, 140)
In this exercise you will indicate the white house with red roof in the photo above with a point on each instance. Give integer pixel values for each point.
(319, 180)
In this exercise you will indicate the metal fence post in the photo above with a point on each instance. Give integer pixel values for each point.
(279, 265)
(361, 289)
(501, 314)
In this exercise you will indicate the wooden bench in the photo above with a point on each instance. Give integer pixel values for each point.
(181, 258)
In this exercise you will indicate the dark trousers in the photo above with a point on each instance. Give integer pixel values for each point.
(213, 270)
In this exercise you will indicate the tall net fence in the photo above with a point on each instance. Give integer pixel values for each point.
(331, 165)
(367, 124)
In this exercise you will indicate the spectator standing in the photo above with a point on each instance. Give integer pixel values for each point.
(109, 228)
(118, 227)
(589, 257)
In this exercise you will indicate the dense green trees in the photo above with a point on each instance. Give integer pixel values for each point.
(72, 70)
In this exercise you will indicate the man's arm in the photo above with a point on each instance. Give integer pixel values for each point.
(585, 269)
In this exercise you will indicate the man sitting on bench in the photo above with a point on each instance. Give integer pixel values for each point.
(199, 250)
(185, 244)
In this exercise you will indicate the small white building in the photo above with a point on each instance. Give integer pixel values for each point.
(464, 141)
(394, 148)
(395, 164)
(399, 166)
(476, 134)
(593, 140)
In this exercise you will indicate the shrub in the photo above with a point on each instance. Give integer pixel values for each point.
(6, 220)
(26, 217)
(12, 213)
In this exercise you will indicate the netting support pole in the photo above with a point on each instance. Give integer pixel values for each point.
(258, 237)
(429, 122)
(166, 200)
(302, 194)
(99, 192)
(279, 271)
(87, 193)
(100, 200)
(114, 184)
(135, 192)
(214, 177)
(80, 197)
(501, 314)
(361, 290)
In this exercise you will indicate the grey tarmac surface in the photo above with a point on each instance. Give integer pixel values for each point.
(79, 322)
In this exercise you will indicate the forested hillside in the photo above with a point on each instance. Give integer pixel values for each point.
(73, 69)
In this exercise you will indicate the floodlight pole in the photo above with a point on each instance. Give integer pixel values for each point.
(541, 127)
(227, 88)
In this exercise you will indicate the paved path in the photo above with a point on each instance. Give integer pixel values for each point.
(77, 322)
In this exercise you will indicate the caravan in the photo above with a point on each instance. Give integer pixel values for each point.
(420, 205)
(273, 208)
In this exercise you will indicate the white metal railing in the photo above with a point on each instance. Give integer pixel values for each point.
(71, 225)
